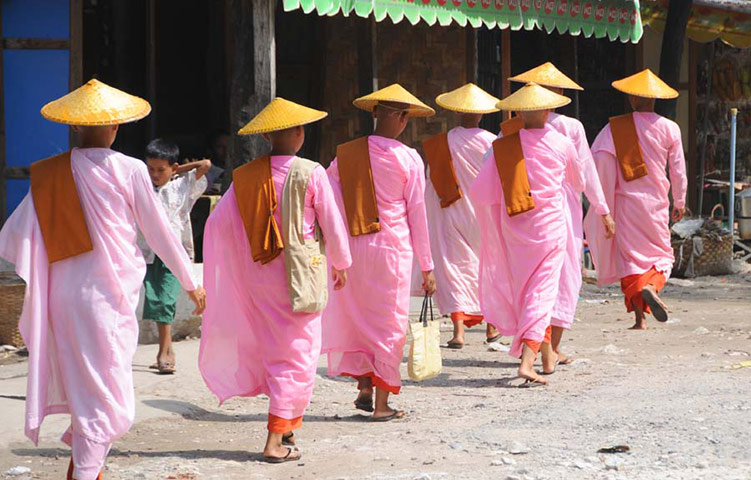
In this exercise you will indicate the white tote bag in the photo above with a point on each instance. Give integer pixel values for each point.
(425, 352)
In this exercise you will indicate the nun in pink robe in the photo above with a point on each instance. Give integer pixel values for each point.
(364, 326)
(571, 274)
(454, 233)
(252, 343)
(79, 317)
(522, 256)
(641, 207)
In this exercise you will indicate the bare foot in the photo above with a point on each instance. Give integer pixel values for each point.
(564, 359)
(388, 412)
(531, 375)
(549, 362)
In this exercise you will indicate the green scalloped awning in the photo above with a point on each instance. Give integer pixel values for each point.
(615, 19)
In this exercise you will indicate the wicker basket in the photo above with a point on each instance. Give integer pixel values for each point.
(12, 290)
(706, 253)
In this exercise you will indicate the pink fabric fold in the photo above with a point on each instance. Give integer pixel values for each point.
(79, 316)
(364, 326)
(640, 208)
(522, 256)
(252, 342)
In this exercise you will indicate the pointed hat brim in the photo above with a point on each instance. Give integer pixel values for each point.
(397, 94)
(96, 103)
(468, 99)
(547, 75)
(281, 114)
(532, 97)
(645, 84)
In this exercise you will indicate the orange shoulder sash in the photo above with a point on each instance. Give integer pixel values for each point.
(358, 191)
(512, 126)
(442, 173)
(58, 208)
(627, 148)
(509, 159)
(256, 199)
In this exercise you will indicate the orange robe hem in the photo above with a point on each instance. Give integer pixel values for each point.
(632, 285)
(535, 346)
(283, 425)
(377, 382)
(469, 320)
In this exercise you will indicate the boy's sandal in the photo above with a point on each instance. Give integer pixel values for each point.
(286, 458)
(166, 368)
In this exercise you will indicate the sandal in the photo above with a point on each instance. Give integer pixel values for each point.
(364, 405)
(454, 345)
(493, 339)
(166, 368)
(395, 415)
(288, 440)
(659, 309)
(532, 384)
(286, 458)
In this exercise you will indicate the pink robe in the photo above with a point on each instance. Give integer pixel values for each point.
(454, 233)
(640, 208)
(79, 317)
(571, 273)
(364, 326)
(252, 342)
(522, 256)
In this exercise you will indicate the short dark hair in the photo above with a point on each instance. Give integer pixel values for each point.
(163, 149)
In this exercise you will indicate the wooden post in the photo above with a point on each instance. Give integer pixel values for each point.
(253, 74)
(471, 48)
(693, 159)
(505, 67)
(671, 53)
(367, 68)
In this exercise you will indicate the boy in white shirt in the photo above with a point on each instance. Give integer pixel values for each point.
(178, 186)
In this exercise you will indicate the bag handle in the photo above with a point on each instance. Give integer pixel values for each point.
(427, 303)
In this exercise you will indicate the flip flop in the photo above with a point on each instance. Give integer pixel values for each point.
(493, 339)
(288, 440)
(166, 368)
(532, 384)
(366, 406)
(154, 366)
(397, 414)
(568, 361)
(454, 345)
(286, 458)
(659, 309)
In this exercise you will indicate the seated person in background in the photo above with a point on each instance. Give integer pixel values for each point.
(178, 186)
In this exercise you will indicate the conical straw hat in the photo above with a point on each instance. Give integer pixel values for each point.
(281, 114)
(532, 97)
(96, 103)
(394, 93)
(645, 84)
(468, 99)
(547, 75)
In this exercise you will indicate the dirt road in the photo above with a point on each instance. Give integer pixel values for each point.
(669, 393)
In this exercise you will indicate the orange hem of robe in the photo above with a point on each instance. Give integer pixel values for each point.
(469, 320)
(283, 425)
(535, 346)
(377, 382)
(632, 285)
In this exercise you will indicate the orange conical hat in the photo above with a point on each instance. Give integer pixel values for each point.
(645, 84)
(96, 103)
(468, 99)
(547, 75)
(532, 97)
(281, 114)
(398, 94)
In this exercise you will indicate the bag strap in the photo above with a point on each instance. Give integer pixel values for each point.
(427, 303)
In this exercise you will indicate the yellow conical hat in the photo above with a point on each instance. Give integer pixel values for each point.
(532, 97)
(468, 99)
(547, 75)
(645, 84)
(281, 114)
(394, 93)
(96, 103)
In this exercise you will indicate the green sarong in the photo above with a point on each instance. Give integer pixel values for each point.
(162, 289)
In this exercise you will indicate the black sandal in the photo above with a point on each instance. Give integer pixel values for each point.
(288, 440)
(286, 458)
(364, 405)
